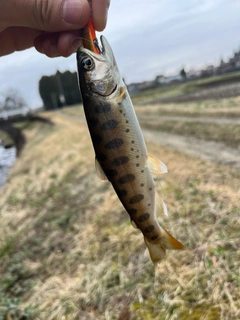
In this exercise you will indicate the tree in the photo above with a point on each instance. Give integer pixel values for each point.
(59, 90)
(183, 74)
(12, 100)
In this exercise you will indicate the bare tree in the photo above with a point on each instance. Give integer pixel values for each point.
(13, 100)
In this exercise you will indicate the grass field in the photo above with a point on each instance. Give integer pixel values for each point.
(68, 250)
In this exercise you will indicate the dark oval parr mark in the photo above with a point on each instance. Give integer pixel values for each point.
(149, 229)
(109, 125)
(96, 139)
(101, 157)
(132, 211)
(126, 178)
(114, 143)
(120, 160)
(92, 121)
(137, 198)
(144, 217)
(102, 108)
(121, 193)
(110, 173)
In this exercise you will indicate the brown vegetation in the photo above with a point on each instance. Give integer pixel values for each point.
(68, 250)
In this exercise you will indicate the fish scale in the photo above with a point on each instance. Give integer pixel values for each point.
(121, 153)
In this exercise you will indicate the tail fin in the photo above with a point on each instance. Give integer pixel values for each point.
(157, 249)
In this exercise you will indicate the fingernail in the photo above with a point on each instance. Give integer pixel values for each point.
(72, 11)
(76, 43)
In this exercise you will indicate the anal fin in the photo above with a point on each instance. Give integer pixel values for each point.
(155, 165)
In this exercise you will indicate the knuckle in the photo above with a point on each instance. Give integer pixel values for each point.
(42, 13)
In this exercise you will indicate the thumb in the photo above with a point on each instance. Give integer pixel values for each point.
(47, 15)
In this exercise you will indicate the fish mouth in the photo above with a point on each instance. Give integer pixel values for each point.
(104, 49)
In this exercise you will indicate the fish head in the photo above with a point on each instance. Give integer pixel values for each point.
(98, 73)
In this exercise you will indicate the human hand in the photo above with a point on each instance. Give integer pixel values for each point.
(52, 26)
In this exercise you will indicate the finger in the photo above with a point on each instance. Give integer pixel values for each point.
(17, 39)
(100, 13)
(47, 15)
(58, 44)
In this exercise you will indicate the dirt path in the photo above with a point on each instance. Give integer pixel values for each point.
(222, 120)
(208, 150)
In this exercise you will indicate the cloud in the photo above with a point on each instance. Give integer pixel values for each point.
(147, 37)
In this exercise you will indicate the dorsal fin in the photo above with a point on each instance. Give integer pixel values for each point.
(100, 173)
(155, 165)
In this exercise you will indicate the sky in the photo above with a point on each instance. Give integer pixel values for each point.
(148, 38)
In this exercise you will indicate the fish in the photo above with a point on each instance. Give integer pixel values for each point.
(121, 156)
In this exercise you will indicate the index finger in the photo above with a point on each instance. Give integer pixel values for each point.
(100, 13)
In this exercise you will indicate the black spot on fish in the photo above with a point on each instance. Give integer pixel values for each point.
(120, 111)
(127, 121)
(121, 193)
(137, 164)
(142, 184)
(101, 157)
(102, 108)
(132, 149)
(149, 229)
(132, 211)
(114, 143)
(127, 130)
(144, 217)
(150, 189)
(137, 198)
(126, 179)
(109, 125)
(132, 141)
(137, 156)
(149, 204)
(142, 171)
(110, 173)
(93, 121)
(120, 160)
(154, 237)
(96, 139)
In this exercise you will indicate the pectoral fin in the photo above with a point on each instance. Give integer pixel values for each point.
(100, 173)
(122, 93)
(155, 165)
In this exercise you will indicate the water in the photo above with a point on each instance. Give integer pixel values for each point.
(7, 159)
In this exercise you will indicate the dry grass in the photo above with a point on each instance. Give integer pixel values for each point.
(224, 108)
(68, 250)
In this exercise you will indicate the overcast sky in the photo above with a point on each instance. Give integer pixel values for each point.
(148, 38)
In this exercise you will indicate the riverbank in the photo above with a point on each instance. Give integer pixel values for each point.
(13, 140)
(69, 251)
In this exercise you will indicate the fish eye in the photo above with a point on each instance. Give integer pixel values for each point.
(88, 63)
